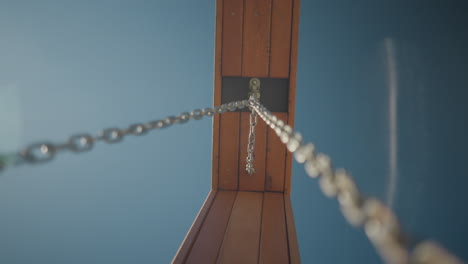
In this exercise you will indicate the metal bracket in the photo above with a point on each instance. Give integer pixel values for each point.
(254, 88)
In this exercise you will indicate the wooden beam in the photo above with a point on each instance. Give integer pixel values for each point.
(206, 246)
(280, 38)
(276, 160)
(292, 87)
(294, 257)
(217, 94)
(229, 151)
(241, 242)
(232, 31)
(256, 39)
(191, 236)
(274, 240)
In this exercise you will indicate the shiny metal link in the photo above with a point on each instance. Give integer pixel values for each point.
(249, 167)
(379, 222)
(46, 151)
(80, 143)
(39, 153)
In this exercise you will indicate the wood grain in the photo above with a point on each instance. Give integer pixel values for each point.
(241, 242)
(280, 38)
(232, 37)
(256, 38)
(229, 151)
(276, 159)
(210, 237)
(274, 240)
(294, 257)
(192, 234)
(217, 94)
(256, 181)
(292, 87)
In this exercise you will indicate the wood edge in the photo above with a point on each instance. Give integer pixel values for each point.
(189, 240)
(217, 93)
(292, 86)
(293, 245)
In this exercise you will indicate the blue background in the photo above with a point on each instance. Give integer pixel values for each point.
(79, 66)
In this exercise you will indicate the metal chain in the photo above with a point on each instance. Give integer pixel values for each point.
(379, 222)
(249, 167)
(46, 151)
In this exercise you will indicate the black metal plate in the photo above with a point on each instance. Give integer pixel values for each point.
(274, 92)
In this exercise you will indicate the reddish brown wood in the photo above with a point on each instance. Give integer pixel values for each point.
(241, 241)
(217, 94)
(276, 160)
(256, 181)
(294, 256)
(280, 38)
(207, 244)
(232, 37)
(274, 240)
(256, 38)
(189, 240)
(215, 155)
(229, 151)
(292, 87)
(252, 226)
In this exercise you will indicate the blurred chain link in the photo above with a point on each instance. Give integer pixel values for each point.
(378, 221)
(46, 151)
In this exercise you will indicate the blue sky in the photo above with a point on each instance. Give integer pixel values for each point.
(79, 66)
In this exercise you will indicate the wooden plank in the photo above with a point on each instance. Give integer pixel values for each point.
(229, 151)
(256, 39)
(276, 159)
(215, 153)
(241, 242)
(217, 94)
(232, 37)
(292, 87)
(280, 38)
(294, 257)
(273, 241)
(256, 181)
(210, 237)
(192, 234)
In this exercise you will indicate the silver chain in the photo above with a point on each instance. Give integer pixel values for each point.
(46, 151)
(379, 222)
(249, 167)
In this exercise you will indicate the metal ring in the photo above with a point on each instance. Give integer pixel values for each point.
(112, 135)
(183, 118)
(231, 107)
(137, 129)
(157, 124)
(208, 111)
(170, 120)
(80, 143)
(196, 114)
(39, 153)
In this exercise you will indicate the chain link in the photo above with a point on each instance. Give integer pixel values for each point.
(379, 222)
(249, 167)
(43, 152)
